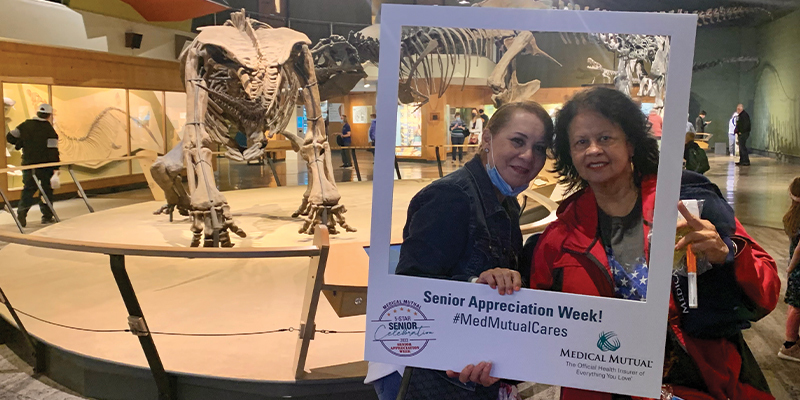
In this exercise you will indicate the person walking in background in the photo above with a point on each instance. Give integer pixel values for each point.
(732, 134)
(689, 124)
(475, 127)
(345, 136)
(372, 126)
(791, 226)
(483, 116)
(39, 144)
(457, 129)
(700, 123)
(743, 130)
(655, 123)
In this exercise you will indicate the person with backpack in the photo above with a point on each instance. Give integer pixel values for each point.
(695, 157)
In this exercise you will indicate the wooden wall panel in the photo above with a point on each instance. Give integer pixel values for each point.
(359, 132)
(27, 63)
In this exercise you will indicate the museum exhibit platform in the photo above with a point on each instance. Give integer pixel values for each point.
(198, 296)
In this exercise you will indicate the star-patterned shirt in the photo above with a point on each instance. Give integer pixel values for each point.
(629, 285)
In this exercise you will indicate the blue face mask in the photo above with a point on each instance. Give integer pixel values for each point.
(500, 183)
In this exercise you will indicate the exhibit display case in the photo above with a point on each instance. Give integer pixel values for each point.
(409, 130)
(98, 124)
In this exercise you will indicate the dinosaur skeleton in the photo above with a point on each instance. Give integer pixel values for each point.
(697, 67)
(607, 74)
(425, 51)
(634, 51)
(247, 75)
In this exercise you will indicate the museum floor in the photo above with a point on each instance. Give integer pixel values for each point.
(758, 193)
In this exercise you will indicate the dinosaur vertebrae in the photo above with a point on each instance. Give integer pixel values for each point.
(733, 60)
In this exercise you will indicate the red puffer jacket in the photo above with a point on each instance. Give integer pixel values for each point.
(570, 257)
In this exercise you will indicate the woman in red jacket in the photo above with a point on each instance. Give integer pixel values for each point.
(599, 246)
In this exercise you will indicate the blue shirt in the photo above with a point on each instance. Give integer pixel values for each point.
(372, 130)
(346, 131)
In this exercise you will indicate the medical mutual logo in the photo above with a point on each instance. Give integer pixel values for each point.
(608, 341)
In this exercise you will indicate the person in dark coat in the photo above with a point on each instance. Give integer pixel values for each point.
(465, 227)
(743, 130)
(700, 122)
(39, 144)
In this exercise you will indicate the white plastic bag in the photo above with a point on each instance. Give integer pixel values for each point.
(55, 181)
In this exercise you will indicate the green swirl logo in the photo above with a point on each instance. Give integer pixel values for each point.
(608, 341)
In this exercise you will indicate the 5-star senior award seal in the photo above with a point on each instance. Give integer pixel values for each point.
(403, 329)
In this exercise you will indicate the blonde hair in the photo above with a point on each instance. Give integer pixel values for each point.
(791, 221)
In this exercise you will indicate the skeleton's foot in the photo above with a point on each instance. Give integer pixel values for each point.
(218, 221)
(166, 209)
(326, 215)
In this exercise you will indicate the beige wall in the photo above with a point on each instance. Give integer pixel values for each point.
(46, 23)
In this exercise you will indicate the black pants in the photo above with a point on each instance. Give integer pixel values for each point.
(744, 153)
(457, 141)
(346, 157)
(29, 188)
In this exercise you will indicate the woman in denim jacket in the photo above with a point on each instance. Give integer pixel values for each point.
(465, 226)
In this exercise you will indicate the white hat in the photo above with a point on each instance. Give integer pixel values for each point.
(45, 109)
(8, 102)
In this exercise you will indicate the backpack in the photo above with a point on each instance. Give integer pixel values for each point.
(697, 160)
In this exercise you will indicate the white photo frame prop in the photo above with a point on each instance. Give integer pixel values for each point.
(605, 344)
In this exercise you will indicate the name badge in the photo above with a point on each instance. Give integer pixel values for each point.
(52, 143)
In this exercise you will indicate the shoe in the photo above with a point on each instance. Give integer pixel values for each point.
(742, 165)
(23, 220)
(48, 220)
(791, 354)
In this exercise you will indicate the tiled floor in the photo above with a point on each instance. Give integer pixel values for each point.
(757, 193)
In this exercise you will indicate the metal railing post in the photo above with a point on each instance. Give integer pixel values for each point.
(274, 171)
(166, 389)
(314, 283)
(439, 162)
(80, 188)
(37, 357)
(43, 196)
(11, 210)
(355, 164)
(397, 169)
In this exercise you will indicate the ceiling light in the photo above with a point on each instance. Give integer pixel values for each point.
(366, 85)
(463, 2)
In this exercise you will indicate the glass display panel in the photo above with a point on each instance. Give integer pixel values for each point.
(176, 117)
(92, 125)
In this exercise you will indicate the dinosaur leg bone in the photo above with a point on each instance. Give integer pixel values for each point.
(321, 199)
(209, 209)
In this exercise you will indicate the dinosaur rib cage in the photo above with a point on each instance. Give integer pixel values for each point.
(229, 104)
(429, 48)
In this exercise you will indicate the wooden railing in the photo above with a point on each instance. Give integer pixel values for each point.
(48, 201)
(318, 254)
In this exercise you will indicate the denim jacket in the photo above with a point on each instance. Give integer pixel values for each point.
(456, 228)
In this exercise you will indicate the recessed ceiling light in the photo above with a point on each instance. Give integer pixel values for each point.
(366, 85)
(463, 2)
